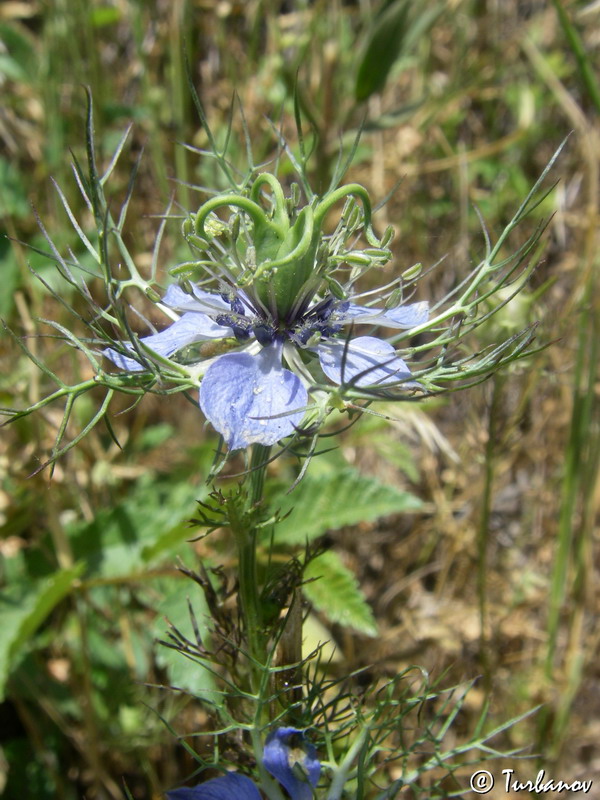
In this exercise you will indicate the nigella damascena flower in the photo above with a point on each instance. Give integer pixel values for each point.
(232, 786)
(293, 761)
(248, 395)
(287, 756)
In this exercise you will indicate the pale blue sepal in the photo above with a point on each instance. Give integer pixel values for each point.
(252, 399)
(364, 361)
(205, 302)
(408, 316)
(191, 327)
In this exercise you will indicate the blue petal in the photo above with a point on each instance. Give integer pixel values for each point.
(232, 786)
(252, 399)
(191, 327)
(293, 761)
(204, 302)
(365, 361)
(408, 316)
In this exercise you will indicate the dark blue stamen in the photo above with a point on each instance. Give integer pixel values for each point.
(264, 333)
(324, 309)
(241, 334)
(234, 301)
(317, 321)
(237, 306)
(237, 323)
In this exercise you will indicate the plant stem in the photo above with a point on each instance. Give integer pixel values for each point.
(245, 532)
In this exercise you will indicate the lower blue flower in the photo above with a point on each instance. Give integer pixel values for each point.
(287, 756)
(232, 786)
(293, 761)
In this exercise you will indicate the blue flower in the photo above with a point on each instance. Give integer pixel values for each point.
(232, 786)
(293, 761)
(287, 756)
(248, 395)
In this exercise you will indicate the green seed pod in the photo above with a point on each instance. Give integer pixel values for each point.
(235, 227)
(196, 241)
(152, 295)
(388, 236)
(358, 259)
(355, 217)
(378, 253)
(394, 299)
(336, 288)
(187, 270)
(412, 272)
(186, 287)
(188, 227)
(348, 206)
(295, 197)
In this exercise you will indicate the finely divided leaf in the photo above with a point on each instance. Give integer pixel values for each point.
(184, 673)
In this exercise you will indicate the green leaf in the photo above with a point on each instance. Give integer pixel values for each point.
(183, 672)
(129, 538)
(332, 500)
(336, 593)
(19, 59)
(13, 194)
(10, 276)
(384, 45)
(23, 608)
(392, 36)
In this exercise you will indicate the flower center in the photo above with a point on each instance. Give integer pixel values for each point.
(318, 322)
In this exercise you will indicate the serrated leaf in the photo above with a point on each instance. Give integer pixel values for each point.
(334, 591)
(23, 608)
(332, 500)
(128, 538)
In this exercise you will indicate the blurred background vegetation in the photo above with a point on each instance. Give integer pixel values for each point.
(463, 104)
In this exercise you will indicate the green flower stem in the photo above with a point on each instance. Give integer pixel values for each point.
(245, 532)
(258, 465)
(249, 598)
